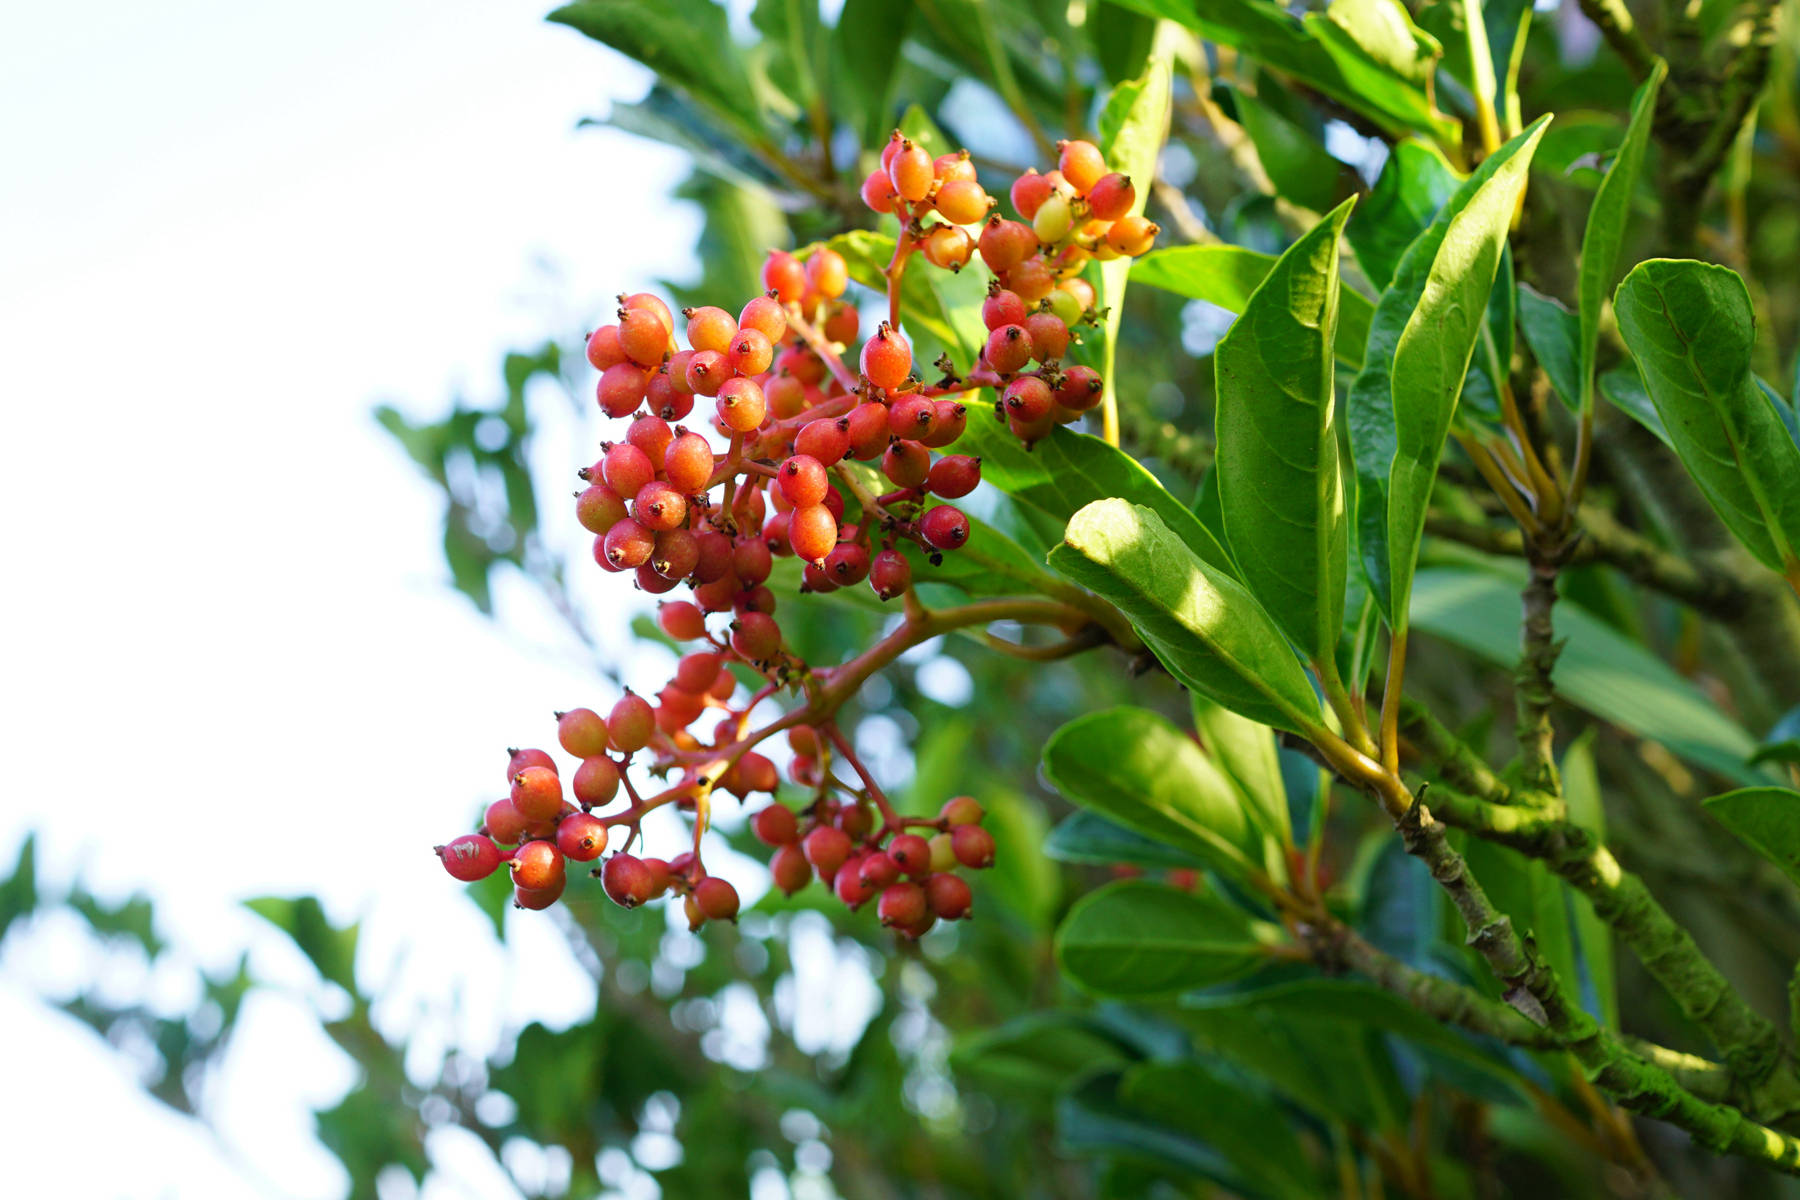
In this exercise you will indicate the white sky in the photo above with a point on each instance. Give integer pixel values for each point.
(231, 663)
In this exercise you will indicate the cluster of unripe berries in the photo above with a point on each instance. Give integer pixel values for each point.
(1037, 298)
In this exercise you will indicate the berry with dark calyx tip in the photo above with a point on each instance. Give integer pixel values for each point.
(676, 554)
(537, 793)
(827, 272)
(1081, 389)
(847, 884)
(953, 166)
(945, 527)
(667, 401)
(826, 440)
(1055, 219)
(651, 303)
(961, 810)
(1002, 307)
(803, 480)
(659, 506)
(815, 580)
(790, 869)
(1006, 245)
(812, 531)
(1132, 235)
(948, 248)
(911, 417)
(775, 534)
(804, 770)
(943, 854)
(603, 349)
(847, 564)
(826, 848)
(518, 760)
(890, 574)
(690, 908)
(582, 732)
(688, 463)
(750, 353)
(717, 899)
(878, 191)
(741, 404)
(877, 869)
(912, 854)
(1027, 398)
(652, 435)
(776, 825)
(627, 881)
(868, 430)
(783, 275)
(718, 596)
(756, 637)
(1049, 336)
(627, 469)
(628, 544)
(715, 557)
(537, 866)
(581, 837)
(1032, 279)
(599, 508)
(752, 561)
(912, 172)
(961, 201)
(1008, 349)
(841, 323)
(710, 328)
(856, 820)
(1032, 431)
(538, 899)
(643, 337)
(902, 904)
(974, 846)
(1081, 164)
(1029, 191)
(1111, 197)
(949, 421)
(596, 781)
(681, 620)
(630, 723)
(696, 672)
(948, 896)
(504, 822)
(707, 372)
(660, 874)
(622, 388)
(954, 476)
(469, 857)
(907, 464)
(886, 358)
(765, 315)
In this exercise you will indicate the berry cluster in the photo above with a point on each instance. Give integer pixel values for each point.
(806, 446)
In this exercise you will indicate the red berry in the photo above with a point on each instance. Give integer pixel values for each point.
(856, 820)
(1027, 398)
(603, 348)
(827, 272)
(1132, 235)
(1081, 164)
(783, 275)
(1005, 245)
(1028, 192)
(954, 476)
(707, 372)
(1111, 197)
(627, 469)
(812, 531)
(518, 760)
(696, 672)
(948, 248)
(1008, 349)
(652, 435)
(1049, 336)
(890, 574)
(765, 315)
(776, 825)
(826, 848)
(1081, 389)
(581, 732)
(688, 463)
(627, 881)
(674, 557)
(961, 201)
(912, 172)
(752, 560)
(961, 810)
(948, 897)
(1032, 279)
(974, 846)
(710, 328)
(643, 337)
(599, 508)
(537, 793)
(786, 395)
(682, 621)
(596, 781)
(504, 822)
(803, 481)
(886, 358)
(790, 869)
(841, 323)
(902, 904)
(826, 440)
(912, 854)
(630, 723)
(659, 506)
(757, 773)
(848, 885)
(469, 857)
(622, 388)
(878, 869)
(847, 564)
(949, 420)
(906, 463)
(878, 191)
(628, 544)
(716, 899)
(715, 557)
(1002, 308)
(538, 866)
(756, 637)
(581, 837)
(868, 430)
(741, 404)
(539, 899)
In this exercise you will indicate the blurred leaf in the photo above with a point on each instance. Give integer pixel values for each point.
(368, 1132)
(1121, 39)
(1781, 744)
(1034, 1055)
(1133, 126)
(862, 64)
(1387, 59)
(1767, 819)
(1593, 936)
(669, 117)
(1088, 837)
(1247, 1128)
(1295, 161)
(332, 951)
(1553, 333)
(1245, 751)
(687, 43)
(19, 892)
(1210, 633)
(1413, 185)
(1092, 1118)
(133, 918)
(1692, 330)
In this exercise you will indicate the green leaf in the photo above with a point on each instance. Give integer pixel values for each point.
(1623, 387)
(1247, 1127)
(1413, 185)
(332, 951)
(1295, 161)
(1426, 326)
(1134, 767)
(1380, 52)
(1280, 487)
(1593, 936)
(1691, 328)
(1227, 275)
(863, 62)
(687, 43)
(1036, 1054)
(1782, 743)
(1553, 333)
(1134, 939)
(19, 890)
(1092, 1118)
(1766, 819)
(1088, 837)
(1607, 218)
(1245, 751)
(1600, 670)
(1121, 39)
(1133, 127)
(1210, 633)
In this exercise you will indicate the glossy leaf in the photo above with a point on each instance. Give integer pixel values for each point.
(1623, 387)
(1093, 1118)
(1413, 185)
(1607, 219)
(1280, 487)
(1133, 127)
(1227, 275)
(1767, 819)
(1245, 750)
(1426, 326)
(1691, 328)
(1088, 837)
(1782, 743)
(1247, 1127)
(667, 36)
(1134, 768)
(863, 63)
(1387, 58)
(1295, 161)
(1593, 936)
(1035, 1055)
(1134, 939)
(1553, 333)
(1210, 632)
